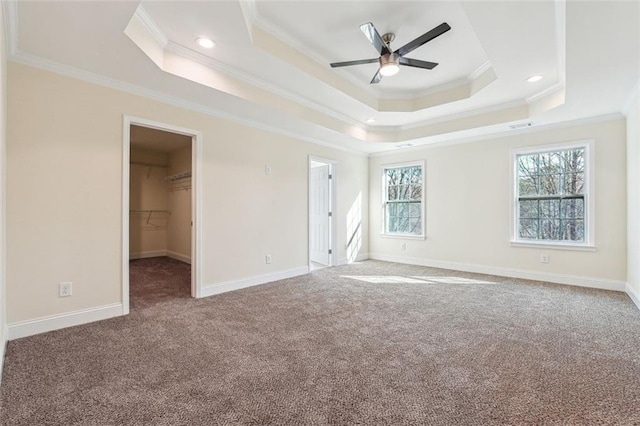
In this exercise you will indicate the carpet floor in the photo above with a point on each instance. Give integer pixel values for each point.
(367, 343)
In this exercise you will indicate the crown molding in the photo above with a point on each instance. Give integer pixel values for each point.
(549, 90)
(245, 77)
(89, 77)
(151, 26)
(495, 133)
(10, 14)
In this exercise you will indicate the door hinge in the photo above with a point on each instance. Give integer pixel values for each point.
(330, 214)
(330, 251)
(330, 176)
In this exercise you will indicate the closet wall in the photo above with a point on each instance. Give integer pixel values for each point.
(179, 203)
(160, 197)
(148, 204)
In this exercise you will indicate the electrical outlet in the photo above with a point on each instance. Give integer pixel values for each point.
(544, 258)
(267, 169)
(64, 289)
(267, 258)
(403, 246)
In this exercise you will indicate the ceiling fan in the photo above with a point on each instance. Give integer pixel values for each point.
(390, 61)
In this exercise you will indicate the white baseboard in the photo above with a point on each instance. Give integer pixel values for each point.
(575, 280)
(147, 254)
(178, 256)
(633, 294)
(359, 258)
(26, 328)
(225, 286)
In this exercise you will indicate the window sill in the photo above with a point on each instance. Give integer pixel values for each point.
(404, 236)
(553, 246)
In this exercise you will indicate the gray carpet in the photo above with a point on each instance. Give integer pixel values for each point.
(370, 343)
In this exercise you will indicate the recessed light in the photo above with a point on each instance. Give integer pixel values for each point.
(371, 120)
(205, 42)
(534, 78)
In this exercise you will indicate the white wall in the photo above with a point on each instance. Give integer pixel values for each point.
(64, 194)
(468, 209)
(633, 202)
(179, 202)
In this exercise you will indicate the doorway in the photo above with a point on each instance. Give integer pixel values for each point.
(321, 208)
(160, 220)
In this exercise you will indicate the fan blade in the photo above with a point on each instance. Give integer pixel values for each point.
(428, 36)
(417, 63)
(349, 63)
(374, 37)
(376, 78)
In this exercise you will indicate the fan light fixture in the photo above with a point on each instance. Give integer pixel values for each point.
(205, 42)
(389, 64)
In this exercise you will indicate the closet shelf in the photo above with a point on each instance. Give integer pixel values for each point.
(150, 211)
(179, 176)
(140, 163)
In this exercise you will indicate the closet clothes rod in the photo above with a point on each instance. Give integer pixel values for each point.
(150, 212)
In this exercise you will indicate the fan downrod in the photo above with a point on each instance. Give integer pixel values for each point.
(388, 38)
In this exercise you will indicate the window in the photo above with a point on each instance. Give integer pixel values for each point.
(403, 200)
(552, 195)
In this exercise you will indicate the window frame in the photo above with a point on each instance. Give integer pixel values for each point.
(589, 197)
(383, 192)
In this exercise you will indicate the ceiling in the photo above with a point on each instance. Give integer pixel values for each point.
(270, 68)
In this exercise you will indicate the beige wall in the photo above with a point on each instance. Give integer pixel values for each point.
(3, 145)
(64, 193)
(148, 191)
(468, 205)
(633, 200)
(179, 202)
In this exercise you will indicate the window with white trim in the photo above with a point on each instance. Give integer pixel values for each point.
(403, 200)
(551, 195)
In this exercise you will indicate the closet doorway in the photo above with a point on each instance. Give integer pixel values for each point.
(159, 196)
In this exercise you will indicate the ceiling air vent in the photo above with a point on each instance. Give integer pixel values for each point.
(520, 125)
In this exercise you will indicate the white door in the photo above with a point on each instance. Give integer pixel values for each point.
(319, 215)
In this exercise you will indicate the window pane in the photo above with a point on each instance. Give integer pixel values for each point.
(392, 192)
(573, 161)
(403, 225)
(415, 192)
(403, 188)
(415, 226)
(573, 209)
(392, 176)
(392, 224)
(529, 209)
(549, 184)
(416, 176)
(573, 230)
(528, 165)
(550, 229)
(573, 183)
(528, 228)
(550, 209)
(528, 185)
(550, 163)
(415, 210)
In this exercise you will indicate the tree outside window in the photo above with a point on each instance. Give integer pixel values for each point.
(403, 200)
(551, 195)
